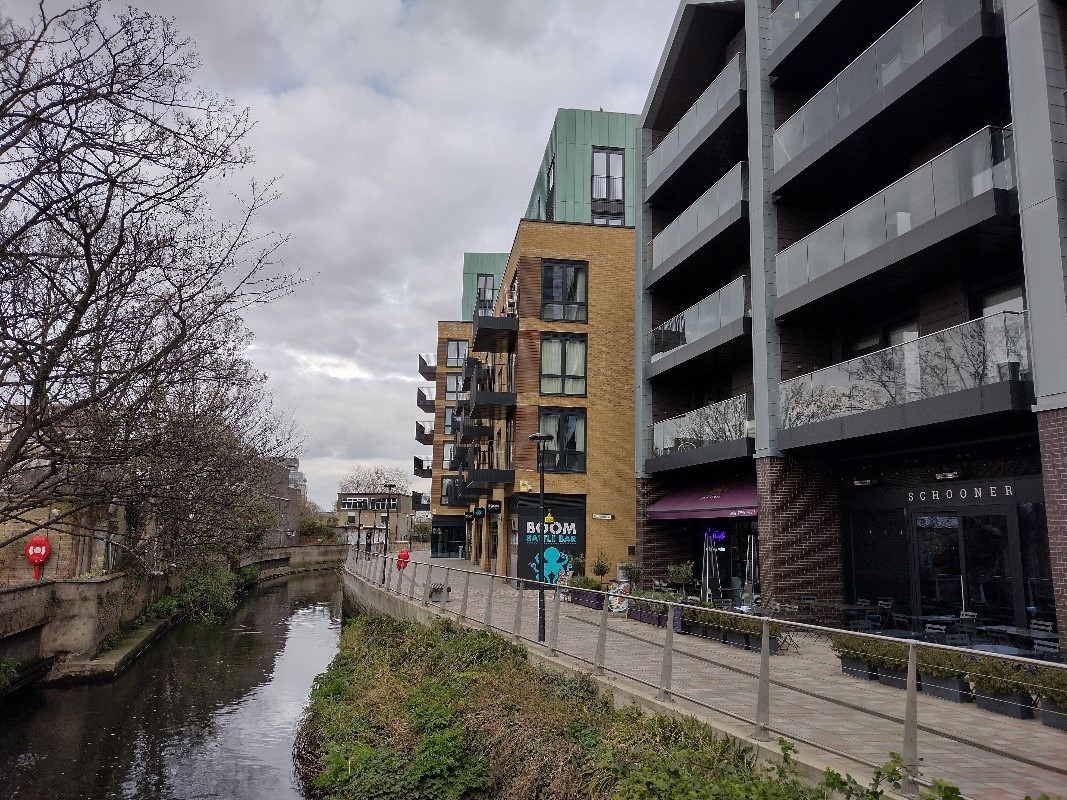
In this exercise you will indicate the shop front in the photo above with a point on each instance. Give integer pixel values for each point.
(447, 536)
(956, 546)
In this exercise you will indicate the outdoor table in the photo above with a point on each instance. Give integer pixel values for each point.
(1002, 649)
(1021, 633)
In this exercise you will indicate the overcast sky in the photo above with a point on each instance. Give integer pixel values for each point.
(404, 132)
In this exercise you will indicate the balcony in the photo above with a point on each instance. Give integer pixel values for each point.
(458, 461)
(716, 320)
(960, 190)
(926, 39)
(492, 394)
(490, 466)
(788, 17)
(975, 369)
(470, 430)
(426, 398)
(715, 211)
(722, 98)
(494, 334)
(424, 432)
(469, 366)
(716, 432)
(428, 366)
(422, 470)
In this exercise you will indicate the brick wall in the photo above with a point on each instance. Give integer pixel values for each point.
(656, 547)
(1052, 434)
(799, 531)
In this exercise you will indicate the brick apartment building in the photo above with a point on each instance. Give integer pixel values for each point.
(851, 304)
(551, 353)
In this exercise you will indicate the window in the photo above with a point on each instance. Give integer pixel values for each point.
(879, 338)
(383, 504)
(550, 196)
(450, 415)
(562, 364)
(563, 290)
(566, 451)
(1004, 299)
(449, 454)
(354, 503)
(450, 489)
(607, 175)
(457, 352)
(454, 387)
(486, 293)
(605, 220)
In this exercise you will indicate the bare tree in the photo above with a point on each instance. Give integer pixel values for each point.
(374, 479)
(122, 379)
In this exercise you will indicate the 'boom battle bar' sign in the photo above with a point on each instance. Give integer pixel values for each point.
(544, 554)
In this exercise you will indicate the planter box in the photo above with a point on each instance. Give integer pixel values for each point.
(1018, 705)
(736, 638)
(896, 677)
(680, 625)
(660, 619)
(697, 628)
(855, 668)
(955, 690)
(582, 597)
(715, 634)
(1053, 716)
(757, 644)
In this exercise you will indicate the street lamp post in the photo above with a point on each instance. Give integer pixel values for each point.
(542, 439)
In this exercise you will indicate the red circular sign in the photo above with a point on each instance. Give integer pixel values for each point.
(38, 549)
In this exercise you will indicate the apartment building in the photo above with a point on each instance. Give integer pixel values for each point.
(851, 304)
(369, 517)
(480, 281)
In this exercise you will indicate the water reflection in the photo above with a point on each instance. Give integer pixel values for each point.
(208, 712)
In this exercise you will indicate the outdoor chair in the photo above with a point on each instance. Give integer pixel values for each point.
(957, 639)
(1047, 650)
(1041, 625)
(934, 633)
(877, 620)
(724, 603)
(863, 602)
(660, 586)
(860, 625)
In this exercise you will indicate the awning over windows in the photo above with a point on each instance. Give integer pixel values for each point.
(708, 499)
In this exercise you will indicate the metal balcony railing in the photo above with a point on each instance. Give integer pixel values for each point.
(787, 18)
(726, 421)
(926, 25)
(607, 187)
(428, 365)
(977, 353)
(426, 397)
(726, 84)
(979, 163)
(709, 315)
(727, 192)
(424, 432)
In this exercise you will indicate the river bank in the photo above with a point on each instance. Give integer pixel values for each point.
(407, 711)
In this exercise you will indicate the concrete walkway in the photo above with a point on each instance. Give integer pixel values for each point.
(836, 720)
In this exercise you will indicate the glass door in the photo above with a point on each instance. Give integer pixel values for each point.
(940, 568)
(987, 565)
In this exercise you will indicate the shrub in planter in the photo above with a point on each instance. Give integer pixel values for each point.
(632, 571)
(944, 674)
(854, 652)
(1051, 687)
(752, 628)
(580, 594)
(891, 659)
(1002, 687)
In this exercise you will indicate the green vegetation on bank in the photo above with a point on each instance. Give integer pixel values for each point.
(9, 670)
(410, 712)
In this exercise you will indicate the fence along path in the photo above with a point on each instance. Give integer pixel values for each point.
(835, 720)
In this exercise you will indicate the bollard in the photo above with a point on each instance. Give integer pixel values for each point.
(516, 628)
(601, 640)
(444, 592)
(911, 726)
(667, 667)
(553, 638)
(489, 605)
(466, 592)
(426, 586)
(763, 700)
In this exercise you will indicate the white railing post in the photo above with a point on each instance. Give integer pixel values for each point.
(910, 751)
(667, 666)
(426, 586)
(516, 628)
(489, 604)
(601, 640)
(444, 592)
(466, 592)
(411, 588)
(763, 700)
(553, 636)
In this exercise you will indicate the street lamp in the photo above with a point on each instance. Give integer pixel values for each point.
(542, 439)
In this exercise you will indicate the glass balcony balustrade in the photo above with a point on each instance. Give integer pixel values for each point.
(981, 162)
(726, 84)
(787, 18)
(709, 315)
(727, 192)
(916, 34)
(719, 422)
(978, 353)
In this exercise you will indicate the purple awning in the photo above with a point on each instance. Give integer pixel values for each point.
(735, 497)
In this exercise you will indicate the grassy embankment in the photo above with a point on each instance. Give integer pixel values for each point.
(410, 712)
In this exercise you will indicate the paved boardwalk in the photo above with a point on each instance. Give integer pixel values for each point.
(851, 722)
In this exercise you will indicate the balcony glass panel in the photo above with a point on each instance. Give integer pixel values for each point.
(787, 18)
(718, 422)
(981, 162)
(916, 34)
(713, 312)
(727, 192)
(978, 353)
(726, 84)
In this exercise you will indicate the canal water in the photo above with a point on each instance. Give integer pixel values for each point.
(209, 711)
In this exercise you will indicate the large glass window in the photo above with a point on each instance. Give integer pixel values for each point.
(486, 293)
(563, 364)
(607, 174)
(1009, 298)
(563, 290)
(457, 352)
(450, 416)
(566, 451)
(454, 387)
(1037, 569)
(449, 489)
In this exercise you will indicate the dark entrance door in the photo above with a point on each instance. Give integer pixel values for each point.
(969, 562)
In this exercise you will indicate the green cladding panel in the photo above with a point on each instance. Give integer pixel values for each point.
(574, 135)
(475, 264)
